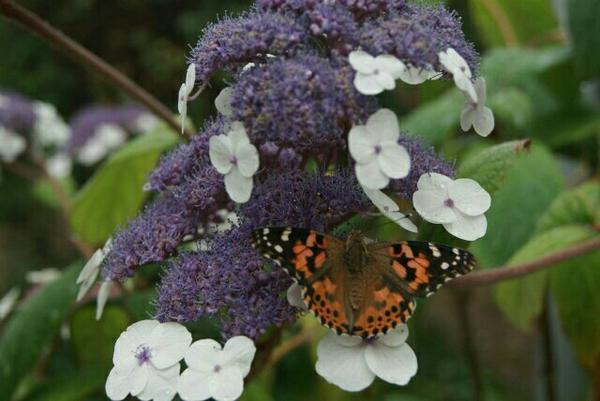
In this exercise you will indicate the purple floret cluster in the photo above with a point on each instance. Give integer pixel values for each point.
(292, 89)
(16, 113)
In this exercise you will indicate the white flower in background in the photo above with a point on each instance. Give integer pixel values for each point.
(43, 276)
(11, 145)
(184, 93)
(146, 359)
(476, 114)
(375, 74)
(214, 372)
(49, 129)
(106, 138)
(458, 67)
(59, 165)
(223, 102)
(8, 302)
(90, 271)
(457, 204)
(145, 123)
(375, 149)
(235, 157)
(102, 297)
(352, 363)
(294, 296)
(390, 209)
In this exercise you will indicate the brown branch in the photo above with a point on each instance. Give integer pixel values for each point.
(494, 275)
(34, 23)
(507, 31)
(306, 335)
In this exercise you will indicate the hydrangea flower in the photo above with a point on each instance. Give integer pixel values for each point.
(475, 113)
(375, 149)
(390, 209)
(458, 67)
(375, 74)
(352, 363)
(184, 93)
(214, 372)
(457, 204)
(235, 157)
(11, 145)
(223, 102)
(105, 139)
(146, 359)
(89, 273)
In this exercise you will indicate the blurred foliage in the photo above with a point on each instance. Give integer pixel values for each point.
(541, 62)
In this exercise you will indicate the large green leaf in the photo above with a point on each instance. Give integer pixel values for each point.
(32, 328)
(530, 185)
(72, 386)
(114, 194)
(506, 22)
(584, 23)
(490, 166)
(522, 299)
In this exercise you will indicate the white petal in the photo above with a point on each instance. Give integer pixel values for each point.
(237, 134)
(403, 221)
(89, 273)
(361, 143)
(182, 100)
(454, 63)
(86, 285)
(8, 302)
(294, 297)
(162, 384)
(190, 79)
(469, 197)
(394, 160)
(220, 151)
(395, 337)
(467, 116)
(467, 227)
(367, 84)
(464, 84)
(59, 165)
(223, 102)
(126, 345)
(193, 385)
(203, 355)
(362, 62)
(370, 175)
(385, 80)
(395, 365)
(121, 382)
(341, 361)
(169, 344)
(391, 65)
(238, 187)
(433, 181)
(227, 384)
(247, 159)
(102, 297)
(481, 90)
(429, 203)
(110, 135)
(415, 76)
(239, 351)
(381, 201)
(383, 125)
(484, 121)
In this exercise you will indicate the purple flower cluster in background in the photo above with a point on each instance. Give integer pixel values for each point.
(16, 113)
(292, 89)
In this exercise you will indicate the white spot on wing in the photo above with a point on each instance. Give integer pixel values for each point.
(445, 266)
(278, 248)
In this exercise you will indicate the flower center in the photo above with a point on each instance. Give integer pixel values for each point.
(449, 203)
(233, 160)
(377, 149)
(217, 368)
(143, 353)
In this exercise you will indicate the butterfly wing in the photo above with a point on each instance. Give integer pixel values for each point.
(421, 268)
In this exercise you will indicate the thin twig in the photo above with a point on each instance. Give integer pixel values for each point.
(507, 31)
(306, 335)
(494, 275)
(34, 23)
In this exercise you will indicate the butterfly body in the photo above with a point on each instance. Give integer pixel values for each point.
(356, 286)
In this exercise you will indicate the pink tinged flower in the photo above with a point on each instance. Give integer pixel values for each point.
(223, 102)
(146, 361)
(476, 114)
(295, 298)
(458, 67)
(11, 145)
(352, 363)
(375, 74)
(375, 149)
(214, 372)
(389, 209)
(237, 159)
(185, 90)
(90, 271)
(457, 204)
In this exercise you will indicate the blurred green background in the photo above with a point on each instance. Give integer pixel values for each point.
(536, 338)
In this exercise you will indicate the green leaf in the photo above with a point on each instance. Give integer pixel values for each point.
(508, 22)
(575, 284)
(114, 194)
(490, 166)
(522, 300)
(530, 185)
(577, 206)
(72, 386)
(87, 334)
(32, 328)
(584, 23)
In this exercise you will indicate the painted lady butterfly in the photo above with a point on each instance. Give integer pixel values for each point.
(358, 287)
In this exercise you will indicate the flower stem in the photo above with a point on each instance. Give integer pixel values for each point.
(34, 23)
(463, 298)
(495, 275)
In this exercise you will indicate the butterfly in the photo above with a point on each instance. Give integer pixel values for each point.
(357, 286)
